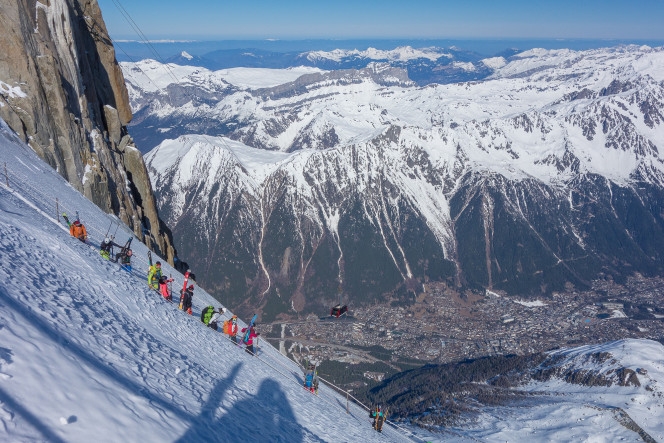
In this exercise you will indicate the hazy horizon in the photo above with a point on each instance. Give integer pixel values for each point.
(426, 19)
(134, 49)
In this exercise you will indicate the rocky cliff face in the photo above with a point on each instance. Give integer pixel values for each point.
(63, 92)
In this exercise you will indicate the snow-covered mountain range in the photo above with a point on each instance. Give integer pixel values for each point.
(425, 65)
(536, 179)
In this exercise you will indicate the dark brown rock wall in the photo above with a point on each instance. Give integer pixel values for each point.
(63, 92)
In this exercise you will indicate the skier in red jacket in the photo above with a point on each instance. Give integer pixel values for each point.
(248, 339)
(163, 287)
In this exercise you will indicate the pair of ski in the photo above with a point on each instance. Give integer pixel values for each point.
(67, 219)
(247, 334)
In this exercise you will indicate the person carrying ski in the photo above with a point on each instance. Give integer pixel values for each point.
(214, 320)
(311, 378)
(378, 418)
(163, 288)
(154, 274)
(124, 258)
(105, 248)
(187, 296)
(78, 230)
(230, 328)
(248, 340)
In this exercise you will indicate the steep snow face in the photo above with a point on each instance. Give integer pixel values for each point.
(606, 392)
(521, 182)
(89, 353)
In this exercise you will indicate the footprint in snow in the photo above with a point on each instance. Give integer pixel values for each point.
(66, 421)
(5, 360)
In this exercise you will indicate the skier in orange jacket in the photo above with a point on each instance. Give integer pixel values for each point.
(78, 230)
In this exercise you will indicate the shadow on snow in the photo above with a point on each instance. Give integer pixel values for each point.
(266, 416)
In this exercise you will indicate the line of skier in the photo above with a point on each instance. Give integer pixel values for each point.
(209, 316)
(161, 284)
(106, 249)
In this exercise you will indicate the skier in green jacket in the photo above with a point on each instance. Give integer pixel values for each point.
(154, 274)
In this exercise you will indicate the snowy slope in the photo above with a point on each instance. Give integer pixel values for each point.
(563, 411)
(150, 75)
(89, 353)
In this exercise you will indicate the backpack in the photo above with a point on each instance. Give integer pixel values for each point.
(206, 315)
(228, 325)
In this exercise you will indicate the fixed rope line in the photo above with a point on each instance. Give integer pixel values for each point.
(141, 35)
(341, 390)
(115, 44)
(289, 378)
(47, 202)
(364, 406)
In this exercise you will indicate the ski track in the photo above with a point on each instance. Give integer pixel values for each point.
(89, 353)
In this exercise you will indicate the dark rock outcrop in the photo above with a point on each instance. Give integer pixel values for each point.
(64, 94)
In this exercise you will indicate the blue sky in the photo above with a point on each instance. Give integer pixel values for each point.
(297, 19)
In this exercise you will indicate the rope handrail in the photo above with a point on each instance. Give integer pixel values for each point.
(355, 400)
(228, 337)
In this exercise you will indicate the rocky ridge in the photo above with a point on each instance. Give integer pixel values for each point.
(63, 93)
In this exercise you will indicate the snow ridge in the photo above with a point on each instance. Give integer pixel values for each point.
(608, 392)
